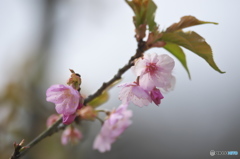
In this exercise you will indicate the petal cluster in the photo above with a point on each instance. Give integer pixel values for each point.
(66, 100)
(134, 93)
(154, 71)
(113, 127)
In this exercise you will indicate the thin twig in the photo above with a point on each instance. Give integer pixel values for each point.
(48, 132)
(99, 119)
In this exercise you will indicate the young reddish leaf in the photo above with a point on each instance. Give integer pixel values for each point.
(185, 22)
(194, 42)
(179, 54)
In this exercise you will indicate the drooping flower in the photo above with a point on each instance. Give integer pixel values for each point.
(52, 119)
(103, 143)
(66, 98)
(113, 127)
(156, 96)
(154, 71)
(71, 135)
(132, 92)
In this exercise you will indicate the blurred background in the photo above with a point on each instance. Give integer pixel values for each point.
(41, 40)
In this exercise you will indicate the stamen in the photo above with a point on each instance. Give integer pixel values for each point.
(151, 67)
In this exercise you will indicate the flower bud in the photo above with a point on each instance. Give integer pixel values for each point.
(156, 96)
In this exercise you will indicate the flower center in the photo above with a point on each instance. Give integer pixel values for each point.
(151, 67)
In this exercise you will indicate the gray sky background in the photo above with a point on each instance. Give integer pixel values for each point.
(96, 37)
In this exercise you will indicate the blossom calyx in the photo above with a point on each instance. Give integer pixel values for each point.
(87, 113)
(75, 80)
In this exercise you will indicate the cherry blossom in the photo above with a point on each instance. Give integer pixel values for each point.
(132, 92)
(113, 127)
(66, 98)
(154, 71)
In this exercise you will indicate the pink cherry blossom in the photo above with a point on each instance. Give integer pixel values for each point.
(113, 127)
(103, 143)
(71, 135)
(131, 92)
(154, 71)
(66, 98)
(156, 96)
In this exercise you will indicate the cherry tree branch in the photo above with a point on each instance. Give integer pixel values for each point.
(59, 126)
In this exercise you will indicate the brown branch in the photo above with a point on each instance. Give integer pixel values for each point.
(57, 125)
(48, 132)
(139, 52)
(18, 148)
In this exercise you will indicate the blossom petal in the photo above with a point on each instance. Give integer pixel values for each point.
(113, 127)
(68, 119)
(66, 98)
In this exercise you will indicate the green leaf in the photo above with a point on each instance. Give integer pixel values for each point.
(103, 98)
(185, 22)
(150, 15)
(194, 42)
(179, 54)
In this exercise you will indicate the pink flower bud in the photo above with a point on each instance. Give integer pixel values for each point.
(156, 96)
